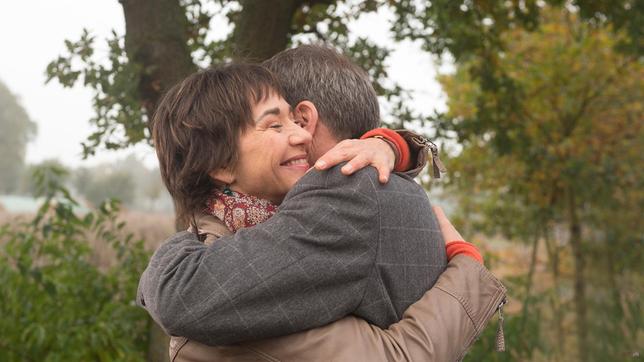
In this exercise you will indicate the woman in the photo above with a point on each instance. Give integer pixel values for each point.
(255, 153)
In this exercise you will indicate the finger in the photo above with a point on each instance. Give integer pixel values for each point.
(330, 159)
(320, 164)
(383, 173)
(388, 157)
(339, 153)
(357, 163)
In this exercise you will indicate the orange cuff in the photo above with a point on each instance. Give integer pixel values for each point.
(461, 247)
(403, 163)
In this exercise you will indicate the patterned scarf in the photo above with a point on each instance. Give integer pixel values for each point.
(238, 210)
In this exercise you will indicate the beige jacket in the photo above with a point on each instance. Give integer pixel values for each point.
(441, 326)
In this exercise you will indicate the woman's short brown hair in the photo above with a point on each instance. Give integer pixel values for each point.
(197, 125)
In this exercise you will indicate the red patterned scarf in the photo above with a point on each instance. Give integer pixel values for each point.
(238, 210)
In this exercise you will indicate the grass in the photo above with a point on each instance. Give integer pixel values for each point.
(153, 228)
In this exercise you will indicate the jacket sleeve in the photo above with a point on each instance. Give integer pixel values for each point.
(441, 326)
(305, 267)
(418, 152)
(449, 318)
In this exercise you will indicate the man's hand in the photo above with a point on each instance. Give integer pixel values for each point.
(360, 154)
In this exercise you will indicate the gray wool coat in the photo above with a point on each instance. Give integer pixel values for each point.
(339, 245)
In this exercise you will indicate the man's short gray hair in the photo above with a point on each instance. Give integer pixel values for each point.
(340, 90)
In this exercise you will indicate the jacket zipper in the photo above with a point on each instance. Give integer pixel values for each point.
(500, 336)
(489, 313)
(437, 164)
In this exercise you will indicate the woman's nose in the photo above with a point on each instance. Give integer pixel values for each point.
(299, 136)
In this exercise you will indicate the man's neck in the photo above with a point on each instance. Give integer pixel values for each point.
(323, 141)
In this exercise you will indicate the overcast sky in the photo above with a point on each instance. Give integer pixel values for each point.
(32, 34)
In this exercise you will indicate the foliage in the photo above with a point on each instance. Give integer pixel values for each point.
(16, 130)
(30, 185)
(119, 119)
(557, 147)
(474, 29)
(58, 306)
(574, 119)
(546, 102)
(478, 32)
(463, 29)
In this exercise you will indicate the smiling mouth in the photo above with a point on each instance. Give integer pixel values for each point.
(297, 162)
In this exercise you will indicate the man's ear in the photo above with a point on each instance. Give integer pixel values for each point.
(223, 176)
(306, 113)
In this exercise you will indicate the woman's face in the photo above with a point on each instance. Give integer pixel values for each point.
(272, 152)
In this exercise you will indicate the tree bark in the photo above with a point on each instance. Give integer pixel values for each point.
(527, 301)
(528, 287)
(553, 256)
(580, 282)
(156, 38)
(263, 28)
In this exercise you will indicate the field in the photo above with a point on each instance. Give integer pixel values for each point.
(539, 311)
(153, 228)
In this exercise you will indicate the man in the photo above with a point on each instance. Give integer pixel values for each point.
(339, 245)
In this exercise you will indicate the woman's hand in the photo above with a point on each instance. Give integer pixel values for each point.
(360, 154)
(454, 242)
(450, 233)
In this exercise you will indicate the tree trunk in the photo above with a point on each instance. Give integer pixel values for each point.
(553, 256)
(527, 301)
(580, 282)
(620, 317)
(528, 287)
(262, 28)
(156, 38)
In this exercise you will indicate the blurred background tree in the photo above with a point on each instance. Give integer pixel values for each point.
(29, 185)
(97, 187)
(127, 180)
(545, 103)
(165, 40)
(562, 151)
(16, 130)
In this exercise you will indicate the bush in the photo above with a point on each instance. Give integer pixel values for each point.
(57, 305)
